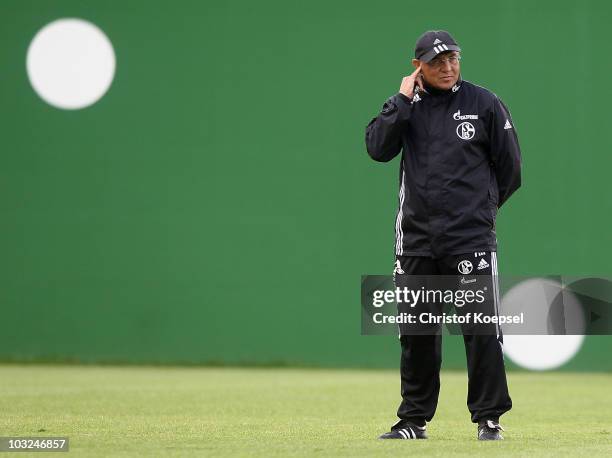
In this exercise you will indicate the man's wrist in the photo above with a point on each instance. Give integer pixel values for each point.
(404, 97)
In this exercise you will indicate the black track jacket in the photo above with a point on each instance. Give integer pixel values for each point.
(460, 162)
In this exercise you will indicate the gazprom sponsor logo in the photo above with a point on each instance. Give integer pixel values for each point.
(459, 117)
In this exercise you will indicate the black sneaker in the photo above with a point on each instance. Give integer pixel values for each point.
(405, 430)
(489, 430)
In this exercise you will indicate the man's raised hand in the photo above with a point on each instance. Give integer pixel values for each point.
(409, 82)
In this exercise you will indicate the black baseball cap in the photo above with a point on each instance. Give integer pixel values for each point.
(432, 43)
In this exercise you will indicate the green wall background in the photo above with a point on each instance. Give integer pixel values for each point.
(218, 205)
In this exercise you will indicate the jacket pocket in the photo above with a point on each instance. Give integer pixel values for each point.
(493, 191)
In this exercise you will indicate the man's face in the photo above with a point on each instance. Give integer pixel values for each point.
(443, 71)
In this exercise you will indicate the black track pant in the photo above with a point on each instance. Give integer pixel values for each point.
(421, 358)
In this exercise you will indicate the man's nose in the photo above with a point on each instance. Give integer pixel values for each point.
(446, 65)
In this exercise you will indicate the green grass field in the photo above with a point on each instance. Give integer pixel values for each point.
(150, 411)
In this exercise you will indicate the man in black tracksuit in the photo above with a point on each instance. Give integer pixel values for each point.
(460, 163)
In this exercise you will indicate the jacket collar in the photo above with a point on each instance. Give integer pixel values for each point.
(440, 92)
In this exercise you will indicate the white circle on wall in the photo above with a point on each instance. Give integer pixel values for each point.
(70, 63)
(541, 353)
(536, 298)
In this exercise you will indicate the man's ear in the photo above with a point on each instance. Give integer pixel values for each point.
(416, 63)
